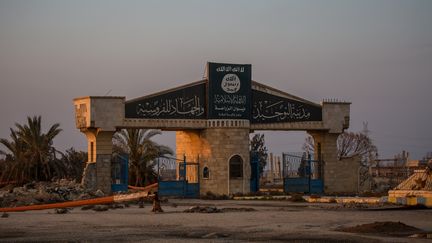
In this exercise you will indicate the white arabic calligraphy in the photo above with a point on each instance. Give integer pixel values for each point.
(230, 99)
(233, 69)
(230, 108)
(175, 106)
(281, 110)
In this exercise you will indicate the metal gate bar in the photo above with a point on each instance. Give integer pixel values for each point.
(301, 173)
(183, 182)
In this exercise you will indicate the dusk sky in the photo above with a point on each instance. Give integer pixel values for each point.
(375, 54)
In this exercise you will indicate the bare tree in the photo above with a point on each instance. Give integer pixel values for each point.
(351, 144)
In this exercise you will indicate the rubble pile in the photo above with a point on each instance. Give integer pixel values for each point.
(387, 227)
(199, 209)
(355, 205)
(104, 207)
(208, 209)
(43, 192)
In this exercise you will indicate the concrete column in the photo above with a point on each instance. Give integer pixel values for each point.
(327, 143)
(97, 174)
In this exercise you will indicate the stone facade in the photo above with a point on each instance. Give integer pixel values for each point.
(213, 148)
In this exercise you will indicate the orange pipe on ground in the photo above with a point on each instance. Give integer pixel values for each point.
(101, 200)
(141, 188)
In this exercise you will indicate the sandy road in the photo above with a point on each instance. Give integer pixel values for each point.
(271, 221)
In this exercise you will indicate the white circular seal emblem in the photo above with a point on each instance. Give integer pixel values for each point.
(230, 83)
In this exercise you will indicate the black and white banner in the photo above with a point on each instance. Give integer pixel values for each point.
(229, 91)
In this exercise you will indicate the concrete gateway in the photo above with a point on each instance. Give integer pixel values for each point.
(213, 118)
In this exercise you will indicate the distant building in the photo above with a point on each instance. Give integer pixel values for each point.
(403, 170)
(390, 172)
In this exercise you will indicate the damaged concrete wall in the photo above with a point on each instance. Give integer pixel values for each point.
(89, 177)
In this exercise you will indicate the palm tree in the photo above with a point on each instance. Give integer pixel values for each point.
(142, 152)
(74, 162)
(15, 166)
(31, 153)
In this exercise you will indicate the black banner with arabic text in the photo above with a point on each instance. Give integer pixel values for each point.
(229, 94)
(186, 103)
(268, 108)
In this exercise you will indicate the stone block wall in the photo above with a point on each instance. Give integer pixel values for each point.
(340, 175)
(214, 147)
(97, 173)
(348, 175)
(103, 173)
(336, 116)
(107, 112)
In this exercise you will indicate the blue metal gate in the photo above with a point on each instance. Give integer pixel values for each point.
(178, 178)
(255, 174)
(119, 173)
(302, 174)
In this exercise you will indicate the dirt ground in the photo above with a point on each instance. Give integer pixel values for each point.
(244, 221)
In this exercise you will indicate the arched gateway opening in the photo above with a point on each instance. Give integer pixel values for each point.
(212, 118)
(236, 168)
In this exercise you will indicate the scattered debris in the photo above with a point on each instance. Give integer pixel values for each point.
(386, 227)
(99, 193)
(355, 205)
(116, 205)
(421, 236)
(198, 209)
(100, 208)
(208, 209)
(224, 210)
(156, 204)
(141, 202)
(61, 210)
(214, 235)
(34, 193)
(87, 207)
(297, 198)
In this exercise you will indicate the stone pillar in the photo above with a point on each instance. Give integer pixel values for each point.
(189, 145)
(327, 144)
(97, 174)
(89, 174)
(214, 147)
(340, 175)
